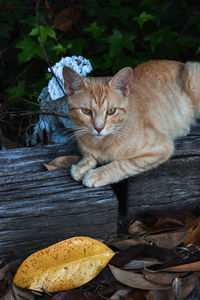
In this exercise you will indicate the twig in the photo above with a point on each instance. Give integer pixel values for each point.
(21, 98)
(22, 72)
(30, 113)
(186, 26)
(54, 113)
(9, 46)
(49, 8)
(43, 48)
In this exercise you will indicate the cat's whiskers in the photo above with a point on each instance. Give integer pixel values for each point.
(120, 131)
(69, 136)
(81, 131)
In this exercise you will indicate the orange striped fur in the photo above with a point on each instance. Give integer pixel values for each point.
(153, 104)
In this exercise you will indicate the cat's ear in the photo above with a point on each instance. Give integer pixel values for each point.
(72, 81)
(122, 81)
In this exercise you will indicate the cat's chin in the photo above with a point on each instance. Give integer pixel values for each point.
(97, 136)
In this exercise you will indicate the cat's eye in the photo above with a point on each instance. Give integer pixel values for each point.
(111, 111)
(86, 111)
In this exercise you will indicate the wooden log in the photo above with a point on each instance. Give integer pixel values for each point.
(174, 185)
(25, 160)
(40, 207)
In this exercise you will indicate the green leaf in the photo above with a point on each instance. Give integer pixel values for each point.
(114, 48)
(128, 41)
(163, 36)
(95, 29)
(49, 30)
(27, 45)
(16, 91)
(34, 32)
(30, 21)
(187, 41)
(115, 41)
(30, 49)
(118, 41)
(59, 49)
(143, 18)
(48, 76)
(13, 3)
(45, 31)
(116, 35)
(115, 2)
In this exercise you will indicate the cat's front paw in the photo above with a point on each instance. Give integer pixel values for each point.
(77, 172)
(94, 178)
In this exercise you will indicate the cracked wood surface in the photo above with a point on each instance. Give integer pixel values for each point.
(40, 207)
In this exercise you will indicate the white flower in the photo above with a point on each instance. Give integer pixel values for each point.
(78, 63)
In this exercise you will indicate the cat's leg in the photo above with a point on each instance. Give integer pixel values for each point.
(86, 163)
(119, 170)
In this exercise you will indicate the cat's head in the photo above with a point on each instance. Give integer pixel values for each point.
(98, 107)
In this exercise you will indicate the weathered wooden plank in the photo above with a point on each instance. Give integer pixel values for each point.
(24, 160)
(39, 207)
(173, 185)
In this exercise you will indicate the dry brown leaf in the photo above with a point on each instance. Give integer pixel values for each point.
(190, 278)
(162, 277)
(140, 295)
(9, 295)
(75, 295)
(21, 294)
(187, 285)
(167, 240)
(10, 267)
(121, 294)
(187, 289)
(111, 289)
(165, 221)
(193, 239)
(168, 222)
(135, 280)
(137, 228)
(195, 266)
(142, 250)
(136, 264)
(190, 220)
(8, 144)
(125, 244)
(62, 162)
(67, 17)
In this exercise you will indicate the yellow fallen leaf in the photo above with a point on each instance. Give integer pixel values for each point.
(65, 265)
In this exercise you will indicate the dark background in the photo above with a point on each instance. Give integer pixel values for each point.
(112, 34)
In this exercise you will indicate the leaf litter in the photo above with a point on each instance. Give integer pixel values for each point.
(160, 259)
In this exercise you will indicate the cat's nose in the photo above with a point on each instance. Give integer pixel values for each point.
(98, 129)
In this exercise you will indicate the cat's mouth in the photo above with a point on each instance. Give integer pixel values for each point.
(99, 135)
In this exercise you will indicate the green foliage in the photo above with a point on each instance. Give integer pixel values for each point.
(111, 33)
(143, 18)
(17, 91)
(29, 49)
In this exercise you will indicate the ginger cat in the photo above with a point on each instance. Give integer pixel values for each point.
(126, 124)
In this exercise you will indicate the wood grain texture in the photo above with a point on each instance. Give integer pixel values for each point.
(173, 185)
(39, 207)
